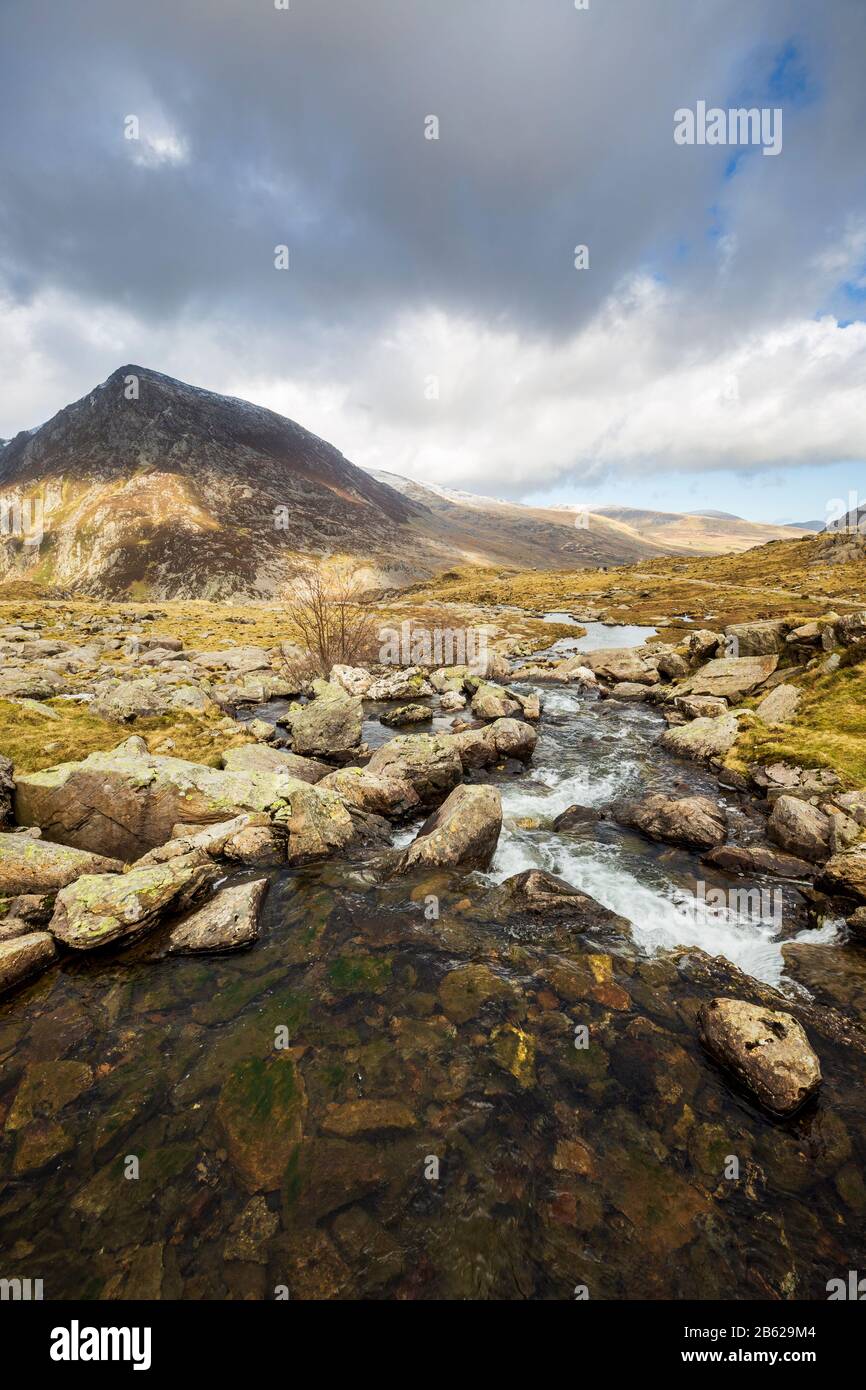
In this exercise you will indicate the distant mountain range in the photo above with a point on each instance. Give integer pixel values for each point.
(148, 487)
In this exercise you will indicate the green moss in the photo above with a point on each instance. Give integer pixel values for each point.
(349, 974)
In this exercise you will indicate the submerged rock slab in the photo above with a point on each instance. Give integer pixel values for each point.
(766, 1050)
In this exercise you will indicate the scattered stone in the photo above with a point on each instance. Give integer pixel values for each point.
(701, 706)
(430, 763)
(228, 922)
(846, 873)
(102, 908)
(732, 677)
(406, 714)
(491, 701)
(329, 725)
(400, 685)
(465, 991)
(690, 820)
(463, 833)
(759, 859)
(703, 739)
(574, 817)
(355, 680)
(620, 664)
(251, 1232)
(25, 956)
(780, 706)
(800, 828)
(257, 757)
(766, 1050)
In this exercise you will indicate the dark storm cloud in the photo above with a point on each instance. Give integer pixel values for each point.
(306, 127)
(262, 126)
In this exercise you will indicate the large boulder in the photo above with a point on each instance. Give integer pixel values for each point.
(758, 859)
(149, 696)
(800, 828)
(505, 738)
(700, 706)
(259, 757)
(251, 839)
(851, 628)
(491, 701)
(236, 659)
(430, 763)
(780, 706)
(31, 682)
(25, 956)
(31, 865)
(845, 873)
(535, 893)
(732, 677)
(100, 909)
(766, 1050)
(702, 643)
(462, 834)
(704, 739)
(125, 802)
(228, 922)
(355, 680)
(329, 725)
(408, 684)
(620, 664)
(689, 820)
(757, 639)
(381, 794)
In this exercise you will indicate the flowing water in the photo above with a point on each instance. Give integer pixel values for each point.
(187, 1128)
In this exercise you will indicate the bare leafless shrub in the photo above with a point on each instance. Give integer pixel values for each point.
(333, 620)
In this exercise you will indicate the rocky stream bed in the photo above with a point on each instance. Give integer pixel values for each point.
(429, 1079)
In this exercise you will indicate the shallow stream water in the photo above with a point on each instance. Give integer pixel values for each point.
(516, 1162)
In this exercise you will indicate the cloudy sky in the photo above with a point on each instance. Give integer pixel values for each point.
(432, 321)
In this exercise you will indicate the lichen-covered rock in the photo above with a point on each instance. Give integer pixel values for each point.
(320, 824)
(845, 873)
(700, 706)
(252, 839)
(356, 680)
(504, 738)
(462, 834)
(149, 696)
(430, 763)
(780, 706)
(800, 828)
(620, 664)
(34, 683)
(258, 757)
(124, 802)
(382, 794)
(228, 922)
(759, 859)
(733, 677)
(491, 701)
(329, 725)
(689, 820)
(764, 638)
(766, 1050)
(406, 714)
(31, 865)
(102, 908)
(408, 684)
(25, 956)
(703, 739)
